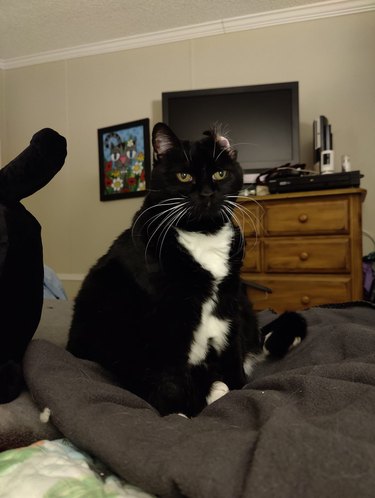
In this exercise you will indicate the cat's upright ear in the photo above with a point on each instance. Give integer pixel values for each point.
(163, 139)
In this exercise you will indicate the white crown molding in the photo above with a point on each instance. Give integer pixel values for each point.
(254, 21)
(299, 14)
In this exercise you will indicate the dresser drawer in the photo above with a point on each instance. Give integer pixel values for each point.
(252, 258)
(307, 217)
(308, 248)
(249, 217)
(297, 292)
(307, 255)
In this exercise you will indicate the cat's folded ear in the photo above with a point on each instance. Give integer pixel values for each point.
(163, 139)
(221, 141)
(225, 144)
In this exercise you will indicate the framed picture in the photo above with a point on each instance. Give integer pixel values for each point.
(124, 160)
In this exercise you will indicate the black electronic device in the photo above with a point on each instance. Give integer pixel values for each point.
(262, 121)
(323, 145)
(315, 182)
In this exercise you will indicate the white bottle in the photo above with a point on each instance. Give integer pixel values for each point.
(345, 163)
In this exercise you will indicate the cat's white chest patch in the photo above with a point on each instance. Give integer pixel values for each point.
(212, 253)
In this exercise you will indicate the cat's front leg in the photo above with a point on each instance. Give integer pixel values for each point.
(168, 395)
(231, 366)
(174, 391)
(231, 373)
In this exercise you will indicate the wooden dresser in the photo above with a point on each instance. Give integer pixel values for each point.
(305, 246)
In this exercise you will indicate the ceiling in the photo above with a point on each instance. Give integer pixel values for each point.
(29, 27)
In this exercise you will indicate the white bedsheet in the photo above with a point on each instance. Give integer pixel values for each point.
(56, 469)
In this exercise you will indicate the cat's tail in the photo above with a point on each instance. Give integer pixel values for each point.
(283, 333)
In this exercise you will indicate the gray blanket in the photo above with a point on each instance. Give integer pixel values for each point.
(20, 423)
(303, 426)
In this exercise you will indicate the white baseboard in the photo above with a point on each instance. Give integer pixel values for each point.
(71, 277)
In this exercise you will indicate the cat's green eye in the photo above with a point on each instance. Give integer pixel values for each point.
(184, 177)
(220, 175)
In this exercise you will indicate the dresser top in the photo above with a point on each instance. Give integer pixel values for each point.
(311, 193)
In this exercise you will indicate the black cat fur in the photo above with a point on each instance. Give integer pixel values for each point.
(140, 306)
(21, 253)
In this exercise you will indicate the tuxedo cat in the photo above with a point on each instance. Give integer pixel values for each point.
(164, 309)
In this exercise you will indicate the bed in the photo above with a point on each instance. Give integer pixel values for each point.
(302, 426)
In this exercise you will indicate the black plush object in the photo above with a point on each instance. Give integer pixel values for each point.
(21, 252)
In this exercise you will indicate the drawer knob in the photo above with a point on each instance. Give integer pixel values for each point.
(302, 218)
(304, 256)
(305, 300)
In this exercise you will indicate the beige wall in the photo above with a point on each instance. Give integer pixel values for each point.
(331, 58)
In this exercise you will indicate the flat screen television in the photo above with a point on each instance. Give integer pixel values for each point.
(262, 121)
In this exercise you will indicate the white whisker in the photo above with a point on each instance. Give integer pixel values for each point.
(222, 150)
(169, 220)
(234, 145)
(245, 143)
(169, 216)
(250, 214)
(246, 215)
(154, 218)
(183, 148)
(172, 201)
(173, 223)
(246, 198)
(230, 216)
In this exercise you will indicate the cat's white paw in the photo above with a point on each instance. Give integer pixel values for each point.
(251, 361)
(265, 350)
(218, 389)
(297, 341)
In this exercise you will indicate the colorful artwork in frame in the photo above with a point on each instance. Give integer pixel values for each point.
(124, 160)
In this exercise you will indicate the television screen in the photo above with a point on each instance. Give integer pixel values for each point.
(261, 121)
